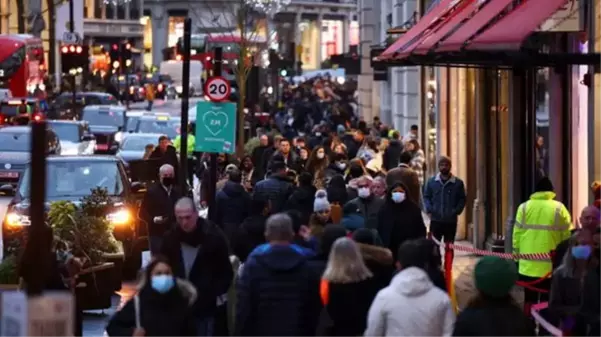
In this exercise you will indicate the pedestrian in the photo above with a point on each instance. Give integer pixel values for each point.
(277, 188)
(418, 159)
(379, 260)
(303, 154)
(337, 196)
(149, 96)
(347, 290)
(588, 315)
(223, 163)
(303, 197)
(251, 232)
(368, 204)
(190, 149)
(247, 169)
(406, 175)
(444, 200)
(541, 224)
(337, 166)
(320, 218)
(378, 188)
(288, 155)
(277, 295)
(317, 165)
(432, 262)
(157, 207)
(265, 142)
(590, 218)
(268, 155)
(356, 170)
(162, 305)
(411, 305)
(412, 134)
(392, 154)
(492, 312)
(197, 250)
(399, 220)
(567, 287)
(232, 203)
(352, 219)
(324, 246)
(165, 153)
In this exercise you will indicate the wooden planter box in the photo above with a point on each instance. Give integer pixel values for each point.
(96, 287)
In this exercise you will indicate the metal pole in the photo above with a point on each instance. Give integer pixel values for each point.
(72, 30)
(37, 246)
(126, 71)
(183, 151)
(593, 149)
(217, 68)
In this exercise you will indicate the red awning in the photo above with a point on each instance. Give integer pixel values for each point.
(511, 30)
(491, 9)
(461, 14)
(426, 22)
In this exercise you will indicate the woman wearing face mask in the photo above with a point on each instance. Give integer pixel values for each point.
(399, 220)
(162, 306)
(338, 166)
(316, 165)
(567, 286)
(321, 214)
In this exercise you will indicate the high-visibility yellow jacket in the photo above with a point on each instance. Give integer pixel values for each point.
(191, 144)
(541, 223)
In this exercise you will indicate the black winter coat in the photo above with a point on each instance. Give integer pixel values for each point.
(392, 155)
(211, 272)
(277, 189)
(233, 206)
(157, 202)
(302, 200)
(276, 294)
(160, 315)
(493, 318)
(249, 235)
(398, 223)
(167, 157)
(380, 262)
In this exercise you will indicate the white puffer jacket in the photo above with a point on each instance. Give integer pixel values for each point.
(411, 306)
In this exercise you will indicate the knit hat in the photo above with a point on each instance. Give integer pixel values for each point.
(321, 202)
(340, 129)
(544, 185)
(495, 277)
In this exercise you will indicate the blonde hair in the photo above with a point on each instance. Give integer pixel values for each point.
(345, 263)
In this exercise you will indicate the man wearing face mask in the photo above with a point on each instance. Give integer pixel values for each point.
(338, 166)
(156, 209)
(589, 220)
(366, 203)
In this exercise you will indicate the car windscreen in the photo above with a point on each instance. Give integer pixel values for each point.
(15, 142)
(102, 117)
(138, 143)
(76, 179)
(169, 128)
(67, 131)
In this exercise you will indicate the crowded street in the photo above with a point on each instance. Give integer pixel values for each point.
(294, 168)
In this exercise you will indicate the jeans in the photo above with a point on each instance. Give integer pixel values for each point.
(149, 107)
(155, 243)
(205, 326)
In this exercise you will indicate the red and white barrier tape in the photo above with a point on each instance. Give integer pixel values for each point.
(509, 256)
(536, 308)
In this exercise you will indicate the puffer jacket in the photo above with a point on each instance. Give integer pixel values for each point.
(411, 306)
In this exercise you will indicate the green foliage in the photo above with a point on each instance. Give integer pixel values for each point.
(250, 145)
(8, 271)
(84, 229)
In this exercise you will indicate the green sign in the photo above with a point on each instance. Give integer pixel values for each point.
(215, 127)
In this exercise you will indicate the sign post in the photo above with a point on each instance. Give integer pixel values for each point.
(218, 89)
(215, 127)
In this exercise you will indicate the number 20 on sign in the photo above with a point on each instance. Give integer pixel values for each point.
(218, 89)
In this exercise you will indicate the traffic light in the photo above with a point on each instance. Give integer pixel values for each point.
(75, 58)
(126, 54)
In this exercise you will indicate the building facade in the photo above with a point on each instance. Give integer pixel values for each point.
(320, 28)
(502, 128)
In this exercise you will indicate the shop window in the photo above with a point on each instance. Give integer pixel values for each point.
(121, 11)
(134, 10)
(110, 11)
(98, 4)
(542, 123)
(429, 125)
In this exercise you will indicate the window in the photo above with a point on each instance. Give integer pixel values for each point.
(103, 117)
(137, 143)
(15, 142)
(68, 131)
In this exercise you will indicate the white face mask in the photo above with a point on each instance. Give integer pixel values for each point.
(341, 166)
(398, 197)
(321, 155)
(318, 134)
(364, 192)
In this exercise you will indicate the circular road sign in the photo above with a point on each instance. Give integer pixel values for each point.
(218, 89)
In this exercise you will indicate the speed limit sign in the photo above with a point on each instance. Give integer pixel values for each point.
(218, 89)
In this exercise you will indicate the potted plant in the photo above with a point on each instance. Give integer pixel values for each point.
(82, 230)
(9, 278)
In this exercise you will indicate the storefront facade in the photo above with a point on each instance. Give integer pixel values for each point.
(489, 119)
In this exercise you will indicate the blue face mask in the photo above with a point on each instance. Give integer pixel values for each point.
(398, 197)
(581, 252)
(162, 283)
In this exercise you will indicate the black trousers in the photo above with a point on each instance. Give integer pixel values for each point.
(446, 230)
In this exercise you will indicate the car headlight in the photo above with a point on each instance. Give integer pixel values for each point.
(17, 220)
(120, 217)
(179, 89)
(119, 137)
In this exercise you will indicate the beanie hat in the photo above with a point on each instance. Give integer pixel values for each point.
(321, 202)
(445, 160)
(544, 185)
(495, 277)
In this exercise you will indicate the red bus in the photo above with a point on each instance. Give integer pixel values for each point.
(22, 64)
(202, 46)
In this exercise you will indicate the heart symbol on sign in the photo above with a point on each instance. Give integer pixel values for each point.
(215, 121)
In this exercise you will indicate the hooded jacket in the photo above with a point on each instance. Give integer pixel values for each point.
(169, 314)
(233, 204)
(406, 175)
(276, 293)
(411, 306)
